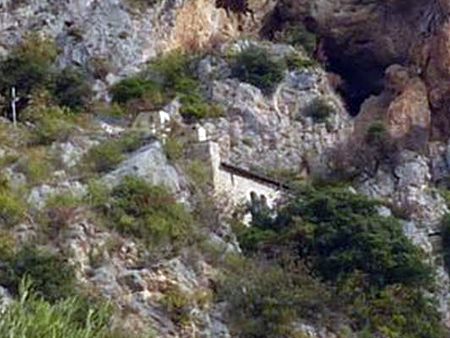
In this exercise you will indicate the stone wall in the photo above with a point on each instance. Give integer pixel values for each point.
(229, 183)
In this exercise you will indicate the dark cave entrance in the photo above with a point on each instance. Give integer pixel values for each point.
(362, 75)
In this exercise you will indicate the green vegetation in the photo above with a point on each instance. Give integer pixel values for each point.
(59, 211)
(12, 208)
(106, 156)
(36, 164)
(366, 267)
(265, 299)
(255, 66)
(376, 133)
(71, 89)
(149, 213)
(52, 277)
(174, 149)
(177, 304)
(33, 317)
(166, 78)
(296, 62)
(135, 88)
(52, 123)
(298, 36)
(30, 68)
(142, 4)
(319, 110)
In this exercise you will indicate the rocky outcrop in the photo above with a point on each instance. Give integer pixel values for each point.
(360, 40)
(150, 164)
(118, 36)
(274, 133)
(402, 107)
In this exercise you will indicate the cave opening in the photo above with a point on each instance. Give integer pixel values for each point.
(362, 75)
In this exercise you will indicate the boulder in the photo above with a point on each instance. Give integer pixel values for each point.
(149, 163)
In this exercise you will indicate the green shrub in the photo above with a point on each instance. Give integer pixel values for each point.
(174, 149)
(255, 66)
(52, 277)
(377, 274)
(142, 4)
(130, 141)
(343, 233)
(71, 89)
(12, 208)
(195, 107)
(319, 110)
(52, 123)
(298, 36)
(296, 62)
(98, 194)
(52, 129)
(148, 212)
(7, 245)
(32, 317)
(166, 78)
(28, 67)
(376, 133)
(133, 88)
(104, 157)
(177, 304)
(107, 155)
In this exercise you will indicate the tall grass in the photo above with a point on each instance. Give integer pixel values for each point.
(32, 317)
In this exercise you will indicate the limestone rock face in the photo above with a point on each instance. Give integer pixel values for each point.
(403, 108)
(118, 34)
(361, 39)
(274, 132)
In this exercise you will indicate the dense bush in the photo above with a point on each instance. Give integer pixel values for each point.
(364, 259)
(133, 88)
(255, 66)
(341, 232)
(148, 212)
(30, 68)
(52, 277)
(71, 89)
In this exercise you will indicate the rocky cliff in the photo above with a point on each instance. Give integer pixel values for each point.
(378, 63)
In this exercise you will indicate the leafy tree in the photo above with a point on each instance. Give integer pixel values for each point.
(375, 274)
